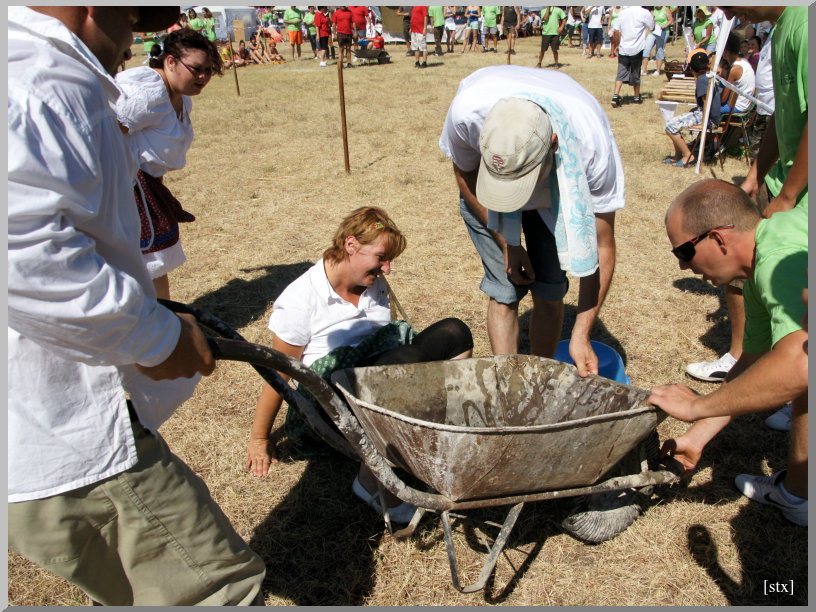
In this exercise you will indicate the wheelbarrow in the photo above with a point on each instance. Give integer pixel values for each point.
(480, 432)
(369, 55)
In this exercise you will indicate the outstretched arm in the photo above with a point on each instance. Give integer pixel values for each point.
(591, 295)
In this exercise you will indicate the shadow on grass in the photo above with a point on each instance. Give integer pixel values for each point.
(718, 336)
(769, 547)
(772, 557)
(240, 302)
(318, 542)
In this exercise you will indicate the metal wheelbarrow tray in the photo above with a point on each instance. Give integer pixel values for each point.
(492, 427)
(482, 432)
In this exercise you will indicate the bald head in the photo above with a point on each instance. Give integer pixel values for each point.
(712, 203)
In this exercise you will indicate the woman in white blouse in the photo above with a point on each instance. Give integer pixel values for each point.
(341, 302)
(154, 112)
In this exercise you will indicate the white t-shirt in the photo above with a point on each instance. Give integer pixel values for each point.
(634, 23)
(478, 93)
(746, 83)
(764, 79)
(157, 137)
(309, 313)
(596, 17)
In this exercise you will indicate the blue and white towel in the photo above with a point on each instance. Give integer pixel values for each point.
(575, 237)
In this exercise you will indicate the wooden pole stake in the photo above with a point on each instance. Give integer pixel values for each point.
(234, 67)
(343, 109)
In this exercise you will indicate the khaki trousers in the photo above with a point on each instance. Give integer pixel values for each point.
(152, 535)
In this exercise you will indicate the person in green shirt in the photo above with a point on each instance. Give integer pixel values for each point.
(209, 24)
(663, 19)
(716, 231)
(195, 22)
(293, 19)
(437, 16)
(703, 29)
(149, 42)
(779, 173)
(308, 21)
(553, 21)
(490, 16)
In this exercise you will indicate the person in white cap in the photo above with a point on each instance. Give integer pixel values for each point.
(511, 158)
(95, 494)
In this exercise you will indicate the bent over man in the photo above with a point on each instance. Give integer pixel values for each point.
(95, 495)
(533, 153)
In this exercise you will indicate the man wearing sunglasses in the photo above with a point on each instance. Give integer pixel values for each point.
(717, 232)
(95, 494)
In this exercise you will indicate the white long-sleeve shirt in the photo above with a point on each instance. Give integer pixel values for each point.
(81, 306)
(158, 137)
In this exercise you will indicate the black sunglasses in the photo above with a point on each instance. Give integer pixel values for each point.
(685, 252)
(196, 72)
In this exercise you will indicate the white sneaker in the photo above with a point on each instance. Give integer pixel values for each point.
(323, 64)
(398, 514)
(712, 371)
(781, 419)
(766, 490)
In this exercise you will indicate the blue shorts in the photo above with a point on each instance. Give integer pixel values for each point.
(551, 281)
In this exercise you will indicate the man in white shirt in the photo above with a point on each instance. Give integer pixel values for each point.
(95, 495)
(635, 23)
(469, 138)
(595, 28)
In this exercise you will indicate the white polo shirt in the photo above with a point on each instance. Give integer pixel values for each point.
(309, 313)
(634, 23)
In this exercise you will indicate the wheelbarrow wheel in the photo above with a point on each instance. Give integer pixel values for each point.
(600, 517)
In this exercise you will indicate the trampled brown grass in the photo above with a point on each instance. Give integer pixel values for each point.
(265, 179)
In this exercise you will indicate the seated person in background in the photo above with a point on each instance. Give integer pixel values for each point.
(753, 47)
(682, 157)
(255, 51)
(740, 74)
(716, 231)
(342, 302)
(243, 55)
(377, 41)
(226, 57)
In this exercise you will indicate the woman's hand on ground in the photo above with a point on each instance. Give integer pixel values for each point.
(260, 456)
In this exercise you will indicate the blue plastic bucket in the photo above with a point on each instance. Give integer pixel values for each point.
(610, 364)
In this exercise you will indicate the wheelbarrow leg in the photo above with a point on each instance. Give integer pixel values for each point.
(493, 556)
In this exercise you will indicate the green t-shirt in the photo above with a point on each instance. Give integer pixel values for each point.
(209, 28)
(773, 294)
(490, 14)
(437, 15)
(699, 28)
(550, 27)
(197, 24)
(789, 56)
(308, 19)
(149, 42)
(291, 13)
(661, 17)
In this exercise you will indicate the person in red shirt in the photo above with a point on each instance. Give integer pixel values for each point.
(324, 29)
(377, 41)
(342, 20)
(419, 23)
(358, 17)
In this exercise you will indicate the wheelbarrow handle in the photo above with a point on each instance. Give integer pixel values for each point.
(295, 400)
(353, 443)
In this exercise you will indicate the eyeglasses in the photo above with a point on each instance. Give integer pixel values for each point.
(205, 72)
(686, 251)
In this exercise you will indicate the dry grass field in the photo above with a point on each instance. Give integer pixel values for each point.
(265, 179)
